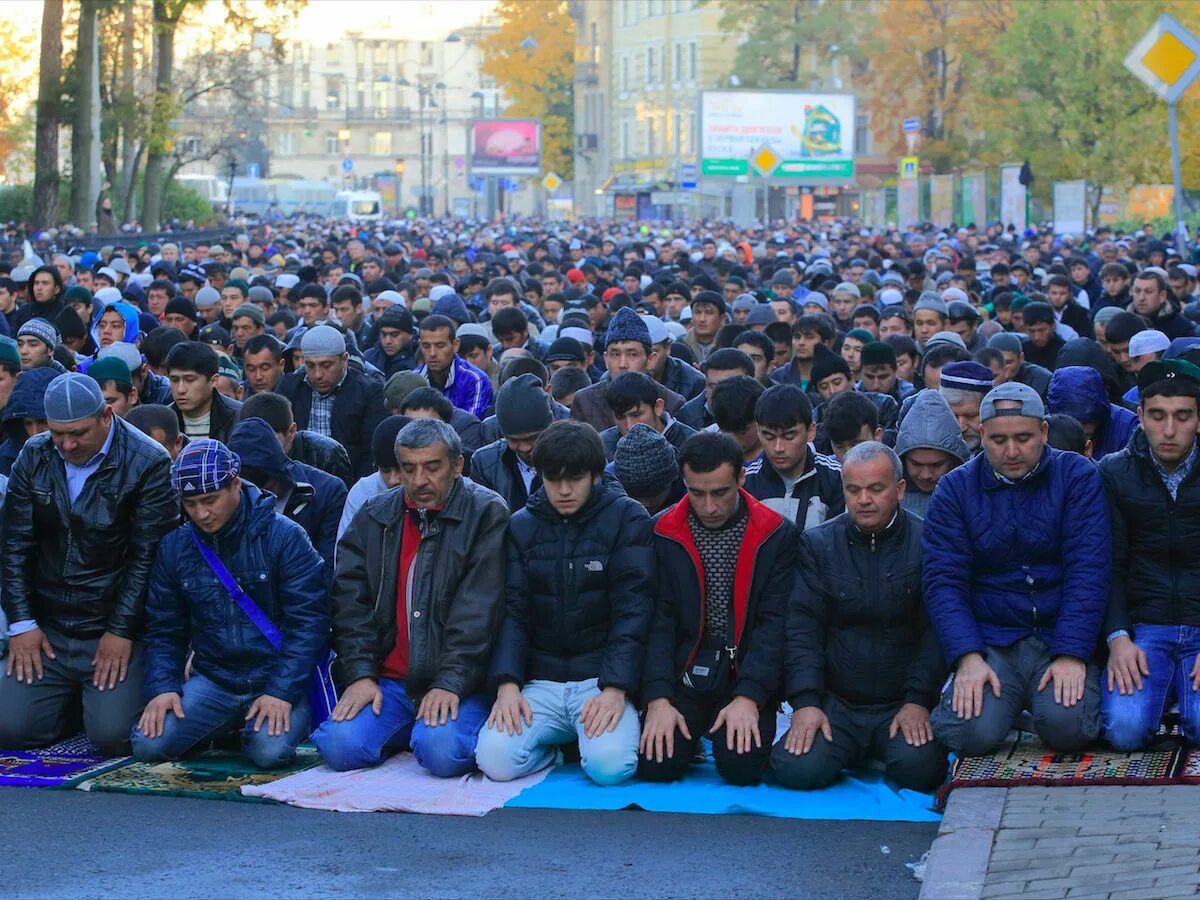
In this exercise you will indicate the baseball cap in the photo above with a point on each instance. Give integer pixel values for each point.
(1031, 402)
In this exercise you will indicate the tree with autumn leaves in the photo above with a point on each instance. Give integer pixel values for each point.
(532, 58)
(991, 80)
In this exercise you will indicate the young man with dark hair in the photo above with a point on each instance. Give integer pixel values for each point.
(627, 349)
(511, 329)
(262, 363)
(722, 365)
(462, 384)
(394, 350)
(708, 315)
(849, 419)
(556, 684)
(733, 409)
(1154, 501)
(808, 331)
(761, 351)
(506, 466)
(1044, 341)
(803, 486)
(203, 677)
(160, 424)
(726, 567)
(203, 410)
(633, 399)
(308, 447)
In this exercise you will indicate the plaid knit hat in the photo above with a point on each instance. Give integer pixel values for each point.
(41, 329)
(645, 463)
(204, 467)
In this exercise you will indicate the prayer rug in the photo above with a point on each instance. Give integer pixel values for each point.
(1024, 760)
(398, 785)
(862, 795)
(212, 775)
(64, 764)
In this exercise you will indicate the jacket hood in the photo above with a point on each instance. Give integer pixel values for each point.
(451, 305)
(1085, 352)
(28, 397)
(931, 425)
(129, 313)
(257, 446)
(1179, 346)
(1078, 391)
(604, 494)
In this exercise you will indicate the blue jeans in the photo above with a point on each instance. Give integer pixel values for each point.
(608, 758)
(447, 751)
(1131, 721)
(210, 711)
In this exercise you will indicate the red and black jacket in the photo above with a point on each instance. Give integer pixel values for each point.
(763, 581)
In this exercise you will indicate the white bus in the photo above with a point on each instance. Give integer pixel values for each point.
(210, 187)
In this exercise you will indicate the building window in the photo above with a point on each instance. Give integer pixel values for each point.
(678, 129)
(381, 143)
(331, 144)
(426, 53)
(333, 92)
(650, 137)
(191, 146)
(685, 139)
(862, 135)
(692, 61)
(305, 94)
(650, 67)
(285, 143)
(677, 68)
(625, 140)
(624, 73)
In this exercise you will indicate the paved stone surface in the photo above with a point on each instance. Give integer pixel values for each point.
(1088, 842)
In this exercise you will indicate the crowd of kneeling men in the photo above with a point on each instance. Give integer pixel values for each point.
(161, 605)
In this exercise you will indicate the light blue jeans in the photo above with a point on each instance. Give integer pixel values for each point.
(608, 758)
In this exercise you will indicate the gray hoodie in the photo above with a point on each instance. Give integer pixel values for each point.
(929, 425)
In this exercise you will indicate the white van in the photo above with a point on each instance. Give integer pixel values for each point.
(358, 206)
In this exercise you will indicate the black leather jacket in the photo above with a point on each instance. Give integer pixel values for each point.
(458, 575)
(83, 568)
(322, 453)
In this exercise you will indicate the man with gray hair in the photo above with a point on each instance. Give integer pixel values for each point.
(962, 386)
(841, 719)
(88, 502)
(416, 600)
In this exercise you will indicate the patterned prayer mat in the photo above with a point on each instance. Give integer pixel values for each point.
(1024, 760)
(212, 775)
(64, 764)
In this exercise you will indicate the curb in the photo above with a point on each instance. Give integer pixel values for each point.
(958, 860)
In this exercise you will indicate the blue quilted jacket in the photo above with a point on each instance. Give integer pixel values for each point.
(1004, 561)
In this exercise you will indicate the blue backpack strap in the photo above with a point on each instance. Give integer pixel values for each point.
(240, 597)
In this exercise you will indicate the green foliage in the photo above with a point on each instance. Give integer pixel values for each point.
(16, 203)
(186, 204)
(782, 36)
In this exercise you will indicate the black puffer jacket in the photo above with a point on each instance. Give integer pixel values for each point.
(84, 567)
(1156, 569)
(578, 597)
(857, 626)
(764, 579)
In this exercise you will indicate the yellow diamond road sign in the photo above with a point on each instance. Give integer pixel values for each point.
(1166, 59)
(765, 160)
(551, 182)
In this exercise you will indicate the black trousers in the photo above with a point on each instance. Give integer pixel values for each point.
(699, 711)
(860, 733)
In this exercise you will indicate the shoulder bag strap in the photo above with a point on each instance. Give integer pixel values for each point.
(240, 597)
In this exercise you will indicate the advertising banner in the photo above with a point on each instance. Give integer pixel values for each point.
(1012, 197)
(908, 202)
(974, 199)
(812, 134)
(506, 147)
(941, 200)
(1070, 207)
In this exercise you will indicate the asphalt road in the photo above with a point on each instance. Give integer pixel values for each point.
(72, 844)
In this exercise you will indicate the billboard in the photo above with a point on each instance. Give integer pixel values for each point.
(505, 147)
(811, 135)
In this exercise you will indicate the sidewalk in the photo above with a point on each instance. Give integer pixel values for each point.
(1094, 842)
